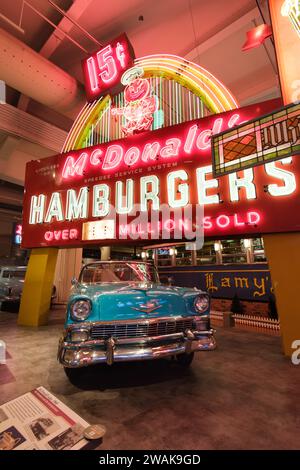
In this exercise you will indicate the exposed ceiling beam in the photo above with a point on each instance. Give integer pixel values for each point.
(16, 122)
(56, 37)
(25, 70)
(223, 34)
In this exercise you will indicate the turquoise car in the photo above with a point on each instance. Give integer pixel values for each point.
(119, 311)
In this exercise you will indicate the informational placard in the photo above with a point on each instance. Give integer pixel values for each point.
(37, 420)
(104, 68)
(274, 136)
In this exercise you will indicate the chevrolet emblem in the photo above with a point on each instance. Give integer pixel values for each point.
(148, 307)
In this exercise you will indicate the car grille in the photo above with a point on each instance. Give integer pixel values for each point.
(140, 330)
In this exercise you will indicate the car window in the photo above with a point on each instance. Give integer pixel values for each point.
(17, 274)
(118, 272)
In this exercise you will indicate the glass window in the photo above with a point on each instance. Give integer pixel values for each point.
(118, 272)
(207, 254)
(164, 257)
(17, 274)
(233, 251)
(258, 250)
(183, 256)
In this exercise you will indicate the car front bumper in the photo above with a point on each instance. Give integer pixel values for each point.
(79, 354)
(10, 298)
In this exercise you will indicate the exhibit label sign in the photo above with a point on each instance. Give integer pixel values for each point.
(271, 137)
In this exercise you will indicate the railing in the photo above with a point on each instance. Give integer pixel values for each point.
(265, 325)
(247, 322)
(216, 318)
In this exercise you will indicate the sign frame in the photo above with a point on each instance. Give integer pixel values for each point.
(241, 130)
(262, 203)
(109, 61)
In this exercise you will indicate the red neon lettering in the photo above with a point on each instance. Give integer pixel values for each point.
(217, 127)
(72, 167)
(203, 140)
(120, 54)
(171, 149)
(65, 234)
(225, 219)
(106, 64)
(92, 74)
(48, 236)
(95, 157)
(190, 138)
(238, 223)
(19, 230)
(73, 233)
(123, 229)
(131, 156)
(253, 218)
(57, 234)
(169, 225)
(150, 152)
(183, 223)
(113, 157)
(139, 229)
(233, 121)
(207, 224)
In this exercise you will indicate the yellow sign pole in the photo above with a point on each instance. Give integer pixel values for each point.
(36, 296)
(283, 250)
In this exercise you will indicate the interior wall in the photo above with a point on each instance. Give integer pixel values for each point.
(6, 228)
(68, 266)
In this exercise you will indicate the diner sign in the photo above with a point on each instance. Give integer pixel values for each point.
(274, 136)
(83, 196)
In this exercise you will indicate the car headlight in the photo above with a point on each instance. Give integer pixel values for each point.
(81, 309)
(201, 303)
(5, 290)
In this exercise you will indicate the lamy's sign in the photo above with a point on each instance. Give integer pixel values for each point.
(68, 197)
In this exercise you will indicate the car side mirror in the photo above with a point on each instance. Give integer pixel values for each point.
(74, 281)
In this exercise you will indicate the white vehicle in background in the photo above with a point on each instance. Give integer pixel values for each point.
(11, 285)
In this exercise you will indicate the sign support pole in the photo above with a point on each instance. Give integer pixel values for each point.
(36, 296)
(283, 250)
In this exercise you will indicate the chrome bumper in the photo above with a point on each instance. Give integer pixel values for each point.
(72, 354)
(7, 298)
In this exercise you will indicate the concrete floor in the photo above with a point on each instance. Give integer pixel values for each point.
(244, 395)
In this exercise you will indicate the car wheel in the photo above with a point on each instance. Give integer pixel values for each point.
(185, 359)
(75, 375)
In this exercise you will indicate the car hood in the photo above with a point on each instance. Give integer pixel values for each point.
(132, 300)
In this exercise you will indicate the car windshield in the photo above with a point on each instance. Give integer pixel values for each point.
(17, 274)
(118, 272)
